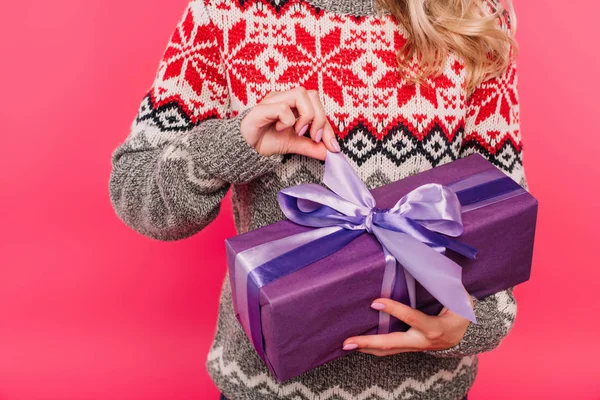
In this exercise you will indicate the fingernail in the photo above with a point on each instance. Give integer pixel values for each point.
(350, 346)
(335, 145)
(319, 136)
(378, 306)
(303, 130)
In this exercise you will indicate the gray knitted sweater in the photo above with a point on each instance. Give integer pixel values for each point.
(185, 151)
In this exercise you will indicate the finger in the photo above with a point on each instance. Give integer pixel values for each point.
(330, 140)
(384, 353)
(388, 341)
(282, 126)
(296, 98)
(307, 147)
(380, 353)
(407, 314)
(265, 114)
(321, 129)
(317, 127)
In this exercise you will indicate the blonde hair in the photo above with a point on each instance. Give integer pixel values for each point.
(480, 32)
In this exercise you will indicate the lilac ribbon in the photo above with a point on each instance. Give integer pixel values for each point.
(414, 235)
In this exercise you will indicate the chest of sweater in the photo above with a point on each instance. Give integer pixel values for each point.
(231, 54)
(377, 113)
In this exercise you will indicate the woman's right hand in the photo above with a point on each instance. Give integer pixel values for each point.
(280, 122)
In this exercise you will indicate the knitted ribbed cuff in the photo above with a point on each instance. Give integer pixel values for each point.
(495, 317)
(469, 342)
(224, 153)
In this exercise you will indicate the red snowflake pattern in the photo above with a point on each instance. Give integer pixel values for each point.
(495, 95)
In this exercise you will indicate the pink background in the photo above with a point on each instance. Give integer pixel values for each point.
(91, 310)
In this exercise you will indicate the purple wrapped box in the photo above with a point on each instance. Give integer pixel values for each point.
(298, 319)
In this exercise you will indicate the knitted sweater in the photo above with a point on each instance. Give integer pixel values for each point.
(185, 151)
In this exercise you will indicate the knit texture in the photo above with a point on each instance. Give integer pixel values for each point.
(185, 151)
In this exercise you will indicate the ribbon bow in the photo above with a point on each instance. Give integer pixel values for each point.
(414, 234)
(411, 232)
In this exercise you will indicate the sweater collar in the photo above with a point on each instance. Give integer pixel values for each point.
(351, 7)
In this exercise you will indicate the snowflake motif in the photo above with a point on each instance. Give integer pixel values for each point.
(497, 95)
(432, 85)
(333, 64)
(191, 57)
(241, 57)
(393, 78)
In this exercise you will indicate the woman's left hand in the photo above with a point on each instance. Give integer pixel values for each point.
(426, 333)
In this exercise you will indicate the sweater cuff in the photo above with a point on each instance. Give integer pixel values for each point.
(224, 153)
(495, 317)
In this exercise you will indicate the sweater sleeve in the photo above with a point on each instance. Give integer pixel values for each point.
(184, 148)
(492, 129)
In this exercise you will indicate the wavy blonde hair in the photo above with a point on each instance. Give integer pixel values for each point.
(480, 32)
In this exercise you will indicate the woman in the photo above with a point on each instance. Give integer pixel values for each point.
(250, 95)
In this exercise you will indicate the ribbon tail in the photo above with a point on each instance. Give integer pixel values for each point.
(387, 287)
(460, 247)
(393, 287)
(412, 289)
(436, 239)
(419, 230)
(439, 275)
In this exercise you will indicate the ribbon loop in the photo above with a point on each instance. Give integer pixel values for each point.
(434, 206)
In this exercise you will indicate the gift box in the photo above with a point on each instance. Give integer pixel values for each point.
(303, 285)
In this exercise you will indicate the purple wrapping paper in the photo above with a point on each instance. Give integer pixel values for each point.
(307, 315)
